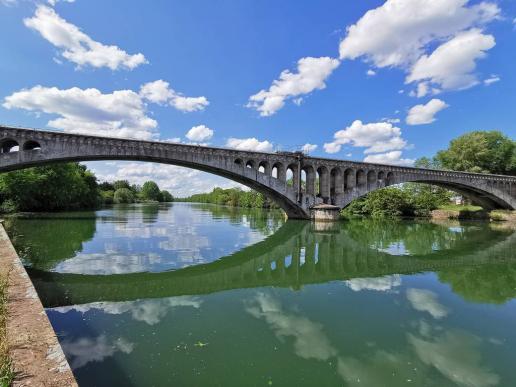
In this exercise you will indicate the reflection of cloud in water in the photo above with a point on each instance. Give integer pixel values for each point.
(457, 357)
(395, 248)
(98, 263)
(381, 368)
(380, 284)
(310, 342)
(426, 301)
(149, 311)
(85, 350)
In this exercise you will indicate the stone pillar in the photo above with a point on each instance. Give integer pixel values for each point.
(310, 181)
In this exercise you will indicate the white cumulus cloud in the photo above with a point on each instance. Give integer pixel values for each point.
(251, 144)
(400, 33)
(397, 32)
(425, 114)
(311, 75)
(375, 137)
(391, 158)
(118, 114)
(199, 133)
(451, 65)
(76, 46)
(307, 148)
(169, 177)
(160, 92)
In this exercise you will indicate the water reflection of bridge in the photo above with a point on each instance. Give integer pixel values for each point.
(296, 255)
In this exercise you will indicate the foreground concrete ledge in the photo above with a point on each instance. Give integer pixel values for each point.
(37, 357)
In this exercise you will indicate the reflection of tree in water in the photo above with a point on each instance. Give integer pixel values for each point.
(423, 238)
(492, 283)
(259, 219)
(44, 241)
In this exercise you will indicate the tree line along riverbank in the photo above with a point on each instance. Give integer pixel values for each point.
(69, 186)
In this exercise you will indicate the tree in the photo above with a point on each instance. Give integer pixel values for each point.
(121, 184)
(50, 188)
(480, 151)
(123, 195)
(166, 196)
(150, 191)
(106, 186)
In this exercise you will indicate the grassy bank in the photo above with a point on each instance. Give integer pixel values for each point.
(6, 371)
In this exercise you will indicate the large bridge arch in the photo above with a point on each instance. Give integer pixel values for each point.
(340, 181)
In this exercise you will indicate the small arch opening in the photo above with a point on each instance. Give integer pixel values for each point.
(263, 167)
(239, 162)
(249, 164)
(303, 180)
(31, 145)
(290, 176)
(278, 171)
(9, 146)
(381, 178)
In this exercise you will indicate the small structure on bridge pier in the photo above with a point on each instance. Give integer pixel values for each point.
(325, 213)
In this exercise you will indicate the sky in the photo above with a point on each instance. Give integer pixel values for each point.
(369, 80)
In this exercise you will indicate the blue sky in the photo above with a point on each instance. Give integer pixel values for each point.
(386, 81)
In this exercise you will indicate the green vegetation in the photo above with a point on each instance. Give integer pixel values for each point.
(408, 200)
(232, 197)
(121, 191)
(459, 207)
(479, 151)
(69, 186)
(6, 369)
(49, 188)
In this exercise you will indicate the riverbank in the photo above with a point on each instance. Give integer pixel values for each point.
(31, 354)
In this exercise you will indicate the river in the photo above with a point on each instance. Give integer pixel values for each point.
(191, 294)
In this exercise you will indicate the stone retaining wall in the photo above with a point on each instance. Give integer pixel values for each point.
(37, 357)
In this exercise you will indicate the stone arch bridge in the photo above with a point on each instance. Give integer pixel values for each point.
(288, 178)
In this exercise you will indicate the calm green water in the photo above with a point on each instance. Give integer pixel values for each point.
(201, 295)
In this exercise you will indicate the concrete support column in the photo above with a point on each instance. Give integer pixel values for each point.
(310, 181)
(324, 182)
(282, 172)
(296, 177)
(349, 179)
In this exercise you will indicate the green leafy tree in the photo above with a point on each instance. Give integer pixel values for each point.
(121, 184)
(50, 188)
(124, 195)
(482, 152)
(150, 191)
(166, 196)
